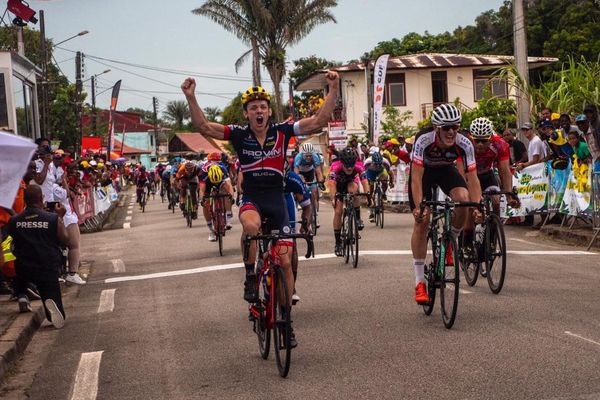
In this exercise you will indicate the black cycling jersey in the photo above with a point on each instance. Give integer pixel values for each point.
(262, 166)
(427, 152)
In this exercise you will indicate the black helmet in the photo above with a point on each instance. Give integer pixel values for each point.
(348, 157)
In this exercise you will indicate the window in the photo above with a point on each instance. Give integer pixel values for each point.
(23, 98)
(396, 94)
(487, 79)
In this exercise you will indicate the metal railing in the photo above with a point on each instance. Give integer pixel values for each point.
(595, 200)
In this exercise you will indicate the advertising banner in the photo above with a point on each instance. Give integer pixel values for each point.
(378, 92)
(532, 189)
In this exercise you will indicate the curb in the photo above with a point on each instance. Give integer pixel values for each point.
(571, 236)
(16, 338)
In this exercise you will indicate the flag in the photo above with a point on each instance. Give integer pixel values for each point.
(14, 159)
(378, 92)
(111, 119)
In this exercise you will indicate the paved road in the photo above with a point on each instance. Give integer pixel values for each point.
(185, 335)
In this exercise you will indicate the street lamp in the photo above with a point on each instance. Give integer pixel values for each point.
(94, 116)
(72, 37)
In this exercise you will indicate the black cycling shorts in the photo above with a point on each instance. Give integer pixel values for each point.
(309, 176)
(446, 178)
(270, 206)
(488, 180)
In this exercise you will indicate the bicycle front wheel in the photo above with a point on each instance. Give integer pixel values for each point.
(283, 323)
(263, 333)
(495, 254)
(468, 264)
(430, 265)
(450, 281)
(354, 242)
(346, 235)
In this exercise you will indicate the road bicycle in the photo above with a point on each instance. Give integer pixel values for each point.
(378, 203)
(217, 211)
(314, 200)
(271, 313)
(441, 263)
(189, 207)
(349, 234)
(486, 254)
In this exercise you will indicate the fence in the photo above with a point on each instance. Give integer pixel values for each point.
(93, 204)
(595, 207)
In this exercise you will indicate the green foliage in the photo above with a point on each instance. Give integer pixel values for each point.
(306, 66)
(502, 112)
(212, 113)
(147, 116)
(64, 116)
(176, 113)
(233, 113)
(394, 122)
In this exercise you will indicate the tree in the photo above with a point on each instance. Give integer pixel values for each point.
(233, 113)
(273, 25)
(66, 128)
(177, 112)
(394, 122)
(212, 113)
(502, 112)
(147, 116)
(306, 66)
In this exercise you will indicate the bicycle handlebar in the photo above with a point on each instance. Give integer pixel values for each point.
(498, 193)
(275, 236)
(450, 204)
(342, 195)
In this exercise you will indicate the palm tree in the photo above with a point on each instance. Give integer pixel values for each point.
(212, 113)
(177, 111)
(269, 27)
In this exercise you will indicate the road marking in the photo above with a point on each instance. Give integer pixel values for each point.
(550, 253)
(86, 380)
(582, 338)
(129, 212)
(464, 291)
(127, 225)
(118, 265)
(107, 301)
(317, 257)
(128, 218)
(523, 241)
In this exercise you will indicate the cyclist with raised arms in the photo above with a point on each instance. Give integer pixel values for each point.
(434, 164)
(378, 168)
(345, 176)
(261, 148)
(214, 175)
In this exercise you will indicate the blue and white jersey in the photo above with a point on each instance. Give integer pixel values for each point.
(305, 166)
(293, 186)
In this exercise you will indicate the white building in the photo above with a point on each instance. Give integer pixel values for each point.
(418, 83)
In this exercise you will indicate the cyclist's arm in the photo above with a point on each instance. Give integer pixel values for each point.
(202, 187)
(321, 118)
(473, 186)
(416, 185)
(199, 120)
(505, 175)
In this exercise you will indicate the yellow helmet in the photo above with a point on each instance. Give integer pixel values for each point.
(255, 93)
(215, 174)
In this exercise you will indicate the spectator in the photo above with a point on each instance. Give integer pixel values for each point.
(36, 237)
(555, 154)
(46, 175)
(555, 119)
(592, 134)
(518, 151)
(580, 148)
(536, 150)
(546, 113)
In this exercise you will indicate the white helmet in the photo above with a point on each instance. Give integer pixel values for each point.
(446, 114)
(168, 169)
(481, 128)
(307, 148)
(373, 150)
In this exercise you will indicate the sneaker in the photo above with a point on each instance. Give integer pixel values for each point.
(61, 279)
(482, 270)
(371, 217)
(228, 226)
(250, 289)
(24, 305)
(449, 257)
(75, 278)
(295, 299)
(56, 317)
(212, 236)
(421, 296)
(32, 291)
(360, 224)
(339, 249)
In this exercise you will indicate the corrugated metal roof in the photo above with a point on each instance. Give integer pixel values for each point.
(195, 142)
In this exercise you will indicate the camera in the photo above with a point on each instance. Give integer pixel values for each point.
(23, 13)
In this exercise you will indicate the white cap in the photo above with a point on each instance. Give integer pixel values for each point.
(373, 149)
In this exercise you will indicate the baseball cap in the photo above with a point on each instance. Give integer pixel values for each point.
(395, 142)
(590, 108)
(546, 124)
(555, 116)
(580, 118)
(527, 125)
(410, 140)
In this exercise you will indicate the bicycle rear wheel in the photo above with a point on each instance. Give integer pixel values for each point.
(469, 266)
(143, 202)
(313, 220)
(450, 282)
(354, 242)
(188, 210)
(283, 323)
(495, 254)
(430, 264)
(346, 235)
(263, 333)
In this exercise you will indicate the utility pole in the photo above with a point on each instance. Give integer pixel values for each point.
(520, 45)
(369, 99)
(155, 107)
(78, 90)
(45, 118)
(94, 116)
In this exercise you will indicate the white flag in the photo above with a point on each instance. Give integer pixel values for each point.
(378, 92)
(15, 154)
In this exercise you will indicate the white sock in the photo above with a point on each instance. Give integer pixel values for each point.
(210, 226)
(419, 267)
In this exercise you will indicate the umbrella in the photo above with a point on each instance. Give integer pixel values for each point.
(14, 158)
(120, 160)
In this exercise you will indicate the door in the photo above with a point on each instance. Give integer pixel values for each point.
(439, 87)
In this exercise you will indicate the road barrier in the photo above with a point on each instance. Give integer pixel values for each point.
(93, 204)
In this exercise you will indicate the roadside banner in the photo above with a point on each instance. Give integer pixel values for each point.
(578, 193)
(14, 158)
(532, 189)
(378, 91)
(558, 184)
(111, 118)
(337, 134)
(84, 205)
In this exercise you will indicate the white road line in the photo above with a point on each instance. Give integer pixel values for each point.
(582, 338)
(522, 241)
(129, 212)
(118, 265)
(107, 301)
(86, 380)
(128, 218)
(127, 225)
(463, 291)
(301, 258)
(551, 253)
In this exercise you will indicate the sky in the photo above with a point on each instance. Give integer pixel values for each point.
(165, 34)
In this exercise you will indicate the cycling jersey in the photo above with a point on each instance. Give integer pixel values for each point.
(307, 167)
(142, 179)
(375, 170)
(262, 166)
(203, 176)
(337, 173)
(498, 150)
(293, 186)
(166, 175)
(428, 154)
(188, 176)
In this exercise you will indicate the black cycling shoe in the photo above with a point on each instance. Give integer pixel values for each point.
(339, 249)
(250, 294)
(194, 215)
(360, 225)
(293, 341)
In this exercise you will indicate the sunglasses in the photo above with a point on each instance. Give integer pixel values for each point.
(481, 141)
(449, 127)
